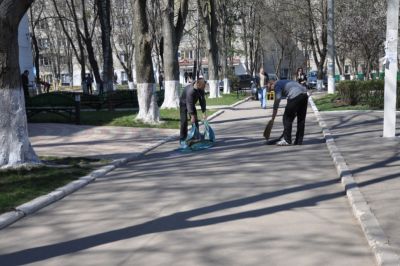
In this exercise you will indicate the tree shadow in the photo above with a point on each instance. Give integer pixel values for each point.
(173, 222)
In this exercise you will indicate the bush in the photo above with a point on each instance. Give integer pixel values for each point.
(51, 99)
(369, 93)
(108, 100)
(234, 80)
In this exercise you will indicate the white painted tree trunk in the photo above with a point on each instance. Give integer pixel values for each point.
(15, 148)
(227, 87)
(214, 90)
(320, 84)
(131, 85)
(171, 97)
(148, 109)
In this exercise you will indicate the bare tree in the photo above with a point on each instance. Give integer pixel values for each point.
(72, 32)
(227, 14)
(36, 19)
(103, 8)
(317, 32)
(148, 108)
(172, 34)
(155, 20)
(15, 148)
(208, 12)
(123, 36)
(351, 37)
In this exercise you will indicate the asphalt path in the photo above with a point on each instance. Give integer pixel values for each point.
(240, 202)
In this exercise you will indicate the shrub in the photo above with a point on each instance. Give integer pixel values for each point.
(369, 93)
(51, 99)
(109, 100)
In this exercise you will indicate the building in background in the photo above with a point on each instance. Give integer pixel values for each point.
(25, 49)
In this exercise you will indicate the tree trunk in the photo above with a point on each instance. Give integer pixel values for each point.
(148, 108)
(171, 39)
(170, 54)
(210, 21)
(15, 148)
(105, 22)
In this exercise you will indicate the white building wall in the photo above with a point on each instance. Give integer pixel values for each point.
(25, 49)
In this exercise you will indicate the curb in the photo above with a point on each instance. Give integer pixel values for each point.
(385, 255)
(40, 202)
(240, 102)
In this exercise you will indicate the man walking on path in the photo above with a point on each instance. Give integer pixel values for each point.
(297, 100)
(187, 104)
(262, 91)
(25, 83)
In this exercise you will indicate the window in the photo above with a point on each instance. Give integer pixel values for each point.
(44, 61)
(190, 54)
(122, 57)
(44, 43)
(65, 79)
(124, 77)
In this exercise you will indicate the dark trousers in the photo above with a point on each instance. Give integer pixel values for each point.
(184, 121)
(295, 107)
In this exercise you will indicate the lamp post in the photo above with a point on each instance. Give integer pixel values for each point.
(389, 120)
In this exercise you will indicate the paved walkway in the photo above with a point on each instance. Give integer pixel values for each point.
(90, 141)
(238, 203)
(374, 162)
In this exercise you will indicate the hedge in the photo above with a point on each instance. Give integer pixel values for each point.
(369, 93)
(109, 100)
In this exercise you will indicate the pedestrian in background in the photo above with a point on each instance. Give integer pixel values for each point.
(262, 90)
(89, 82)
(161, 80)
(25, 83)
(301, 77)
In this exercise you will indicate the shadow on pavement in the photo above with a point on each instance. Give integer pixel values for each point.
(176, 221)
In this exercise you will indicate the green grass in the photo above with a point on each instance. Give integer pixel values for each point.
(169, 118)
(20, 186)
(332, 102)
(226, 99)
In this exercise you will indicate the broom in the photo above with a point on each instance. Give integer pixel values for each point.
(268, 129)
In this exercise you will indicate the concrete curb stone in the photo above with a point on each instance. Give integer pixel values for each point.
(40, 202)
(385, 255)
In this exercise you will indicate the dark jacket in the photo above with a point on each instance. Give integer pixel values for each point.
(302, 78)
(25, 81)
(190, 96)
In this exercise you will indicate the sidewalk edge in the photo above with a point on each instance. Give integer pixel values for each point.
(385, 255)
(40, 202)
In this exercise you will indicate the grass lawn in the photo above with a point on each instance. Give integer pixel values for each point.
(226, 99)
(170, 118)
(20, 186)
(332, 102)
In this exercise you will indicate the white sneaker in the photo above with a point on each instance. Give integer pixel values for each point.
(282, 142)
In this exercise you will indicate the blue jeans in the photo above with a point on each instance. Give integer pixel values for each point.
(262, 97)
